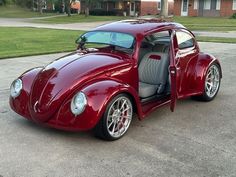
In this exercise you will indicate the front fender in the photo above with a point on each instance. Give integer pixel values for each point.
(98, 96)
(20, 104)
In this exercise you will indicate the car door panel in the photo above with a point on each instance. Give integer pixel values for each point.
(185, 59)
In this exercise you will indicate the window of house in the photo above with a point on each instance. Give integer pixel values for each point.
(195, 5)
(218, 3)
(215, 4)
(207, 4)
(184, 39)
(234, 4)
(158, 4)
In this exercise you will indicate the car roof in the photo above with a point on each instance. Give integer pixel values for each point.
(138, 26)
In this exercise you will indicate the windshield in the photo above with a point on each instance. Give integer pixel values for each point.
(108, 38)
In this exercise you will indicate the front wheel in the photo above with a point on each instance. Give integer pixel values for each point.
(212, 83)
(116, 119)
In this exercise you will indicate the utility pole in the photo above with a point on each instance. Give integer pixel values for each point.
(164, 8)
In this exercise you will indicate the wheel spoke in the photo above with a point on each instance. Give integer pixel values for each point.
(125, 110)
(114, 126)
(210, 72)
(126, 117)
(112, 122)
(122, 106)
(122, 126)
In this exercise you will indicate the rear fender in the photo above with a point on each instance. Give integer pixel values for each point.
(202, 65)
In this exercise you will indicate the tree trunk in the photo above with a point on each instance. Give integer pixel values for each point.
(164, 8)
(68, 8)
(40, 6)
(86, 11)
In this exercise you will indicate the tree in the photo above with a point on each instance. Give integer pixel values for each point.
(68, 6)
(3, 2)
(40, 6)
(164, 8)
(88, 4)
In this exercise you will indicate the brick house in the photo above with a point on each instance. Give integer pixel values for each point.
(211, 8)
(129, 7)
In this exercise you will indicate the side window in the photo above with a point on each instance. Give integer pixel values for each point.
(161, 34)
(185, 40)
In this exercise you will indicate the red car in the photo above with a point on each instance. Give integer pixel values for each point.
(135, 66)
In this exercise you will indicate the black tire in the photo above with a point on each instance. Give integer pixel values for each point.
(206, 96)
(102, 129)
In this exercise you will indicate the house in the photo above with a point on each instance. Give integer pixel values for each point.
(127, 7)
(58, 6)
(211, 8)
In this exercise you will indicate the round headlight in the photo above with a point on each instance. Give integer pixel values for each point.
(16, 88)
(78, 103)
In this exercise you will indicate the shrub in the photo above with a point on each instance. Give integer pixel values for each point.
(25, 3)
(234, 16)
(101, 12)
(5, 2)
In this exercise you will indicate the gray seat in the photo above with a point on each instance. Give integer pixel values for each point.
(153, 74)
(144, 49)
(161, 48)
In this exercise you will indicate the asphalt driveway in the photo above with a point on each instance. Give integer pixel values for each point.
(198, 139)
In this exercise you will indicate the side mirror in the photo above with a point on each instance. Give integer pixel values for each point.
(77, 41)
(81, 42)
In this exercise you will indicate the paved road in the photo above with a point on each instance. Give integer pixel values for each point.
(229, 34)
(23, 22)
(198, 139)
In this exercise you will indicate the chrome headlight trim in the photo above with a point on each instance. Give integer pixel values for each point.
(78, 103)
(16, 88)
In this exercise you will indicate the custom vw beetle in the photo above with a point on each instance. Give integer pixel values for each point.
(135, 66)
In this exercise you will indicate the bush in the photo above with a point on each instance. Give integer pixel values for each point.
(25, 3)
(234, 16)
(101, 12)
(5, 2)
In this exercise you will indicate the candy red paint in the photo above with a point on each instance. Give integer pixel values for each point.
(101, 75)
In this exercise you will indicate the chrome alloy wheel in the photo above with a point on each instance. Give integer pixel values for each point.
(212, 81)
(119, 117)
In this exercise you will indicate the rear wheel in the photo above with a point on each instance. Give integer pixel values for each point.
(116, 119)
(212, 83)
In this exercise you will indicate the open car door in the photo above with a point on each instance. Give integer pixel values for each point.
(173, 70)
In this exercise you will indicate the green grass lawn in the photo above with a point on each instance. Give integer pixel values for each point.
(193, 23)
(33, 41)
(16, 42)
(207, 23)
(79, 19)
(12, 11)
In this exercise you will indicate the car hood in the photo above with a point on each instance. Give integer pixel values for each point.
(59, 79)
